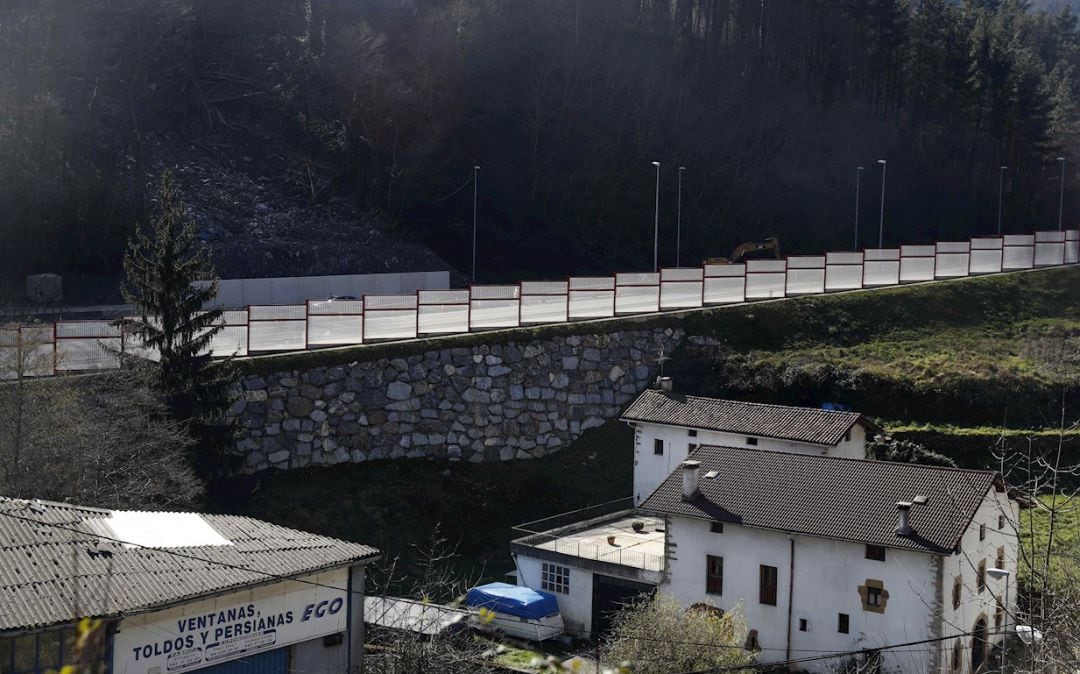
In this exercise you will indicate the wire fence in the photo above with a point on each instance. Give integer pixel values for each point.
(81, 346)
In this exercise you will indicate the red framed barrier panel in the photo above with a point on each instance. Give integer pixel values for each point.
(87, 345)
(917, 263)
(765, 279)
(986, 255)
(390, 317)
(494, 307)
(335, 322)
(591, 297)
(681, 287)
(637, 293)
(952, 259)
(442, 312)
(278, 327)
(544, 302)
(881, 267)
(1072, 246)
(843, 271)
(1018, 252)
(1049, 249)
(725, 283)
(232, 338)
(805, 275)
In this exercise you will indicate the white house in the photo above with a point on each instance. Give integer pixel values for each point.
(823, 555)
(175, 593)
(668, 426)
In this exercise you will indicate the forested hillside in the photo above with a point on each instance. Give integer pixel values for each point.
(378, 110)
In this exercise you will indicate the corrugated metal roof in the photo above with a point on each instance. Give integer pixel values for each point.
(799, 424)
(848, 499)
(55, 567)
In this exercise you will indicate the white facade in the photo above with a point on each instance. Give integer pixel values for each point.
(575, 604)
(653, 463)
(829, 577)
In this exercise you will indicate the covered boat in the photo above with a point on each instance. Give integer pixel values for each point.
(519, 611)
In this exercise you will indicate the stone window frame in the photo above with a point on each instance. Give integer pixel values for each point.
(999, 562)
(980, 576)
(880, 591)
(957, 592)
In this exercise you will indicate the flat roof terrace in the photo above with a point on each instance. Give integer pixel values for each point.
(613, 539)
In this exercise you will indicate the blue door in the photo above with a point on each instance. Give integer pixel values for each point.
(270, 662)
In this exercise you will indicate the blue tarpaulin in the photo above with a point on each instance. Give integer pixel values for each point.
(514, 600)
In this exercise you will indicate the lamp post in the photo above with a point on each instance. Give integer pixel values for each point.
(475, 177)
(656, 223)
(1001, 185)
(1003, 574)
(858, 179)
(1061, 199)
(881, 221)
(678, 220)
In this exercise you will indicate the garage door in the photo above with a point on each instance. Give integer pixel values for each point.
(609, 594)
(269, 662)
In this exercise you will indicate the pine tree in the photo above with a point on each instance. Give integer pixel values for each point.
(162, 266)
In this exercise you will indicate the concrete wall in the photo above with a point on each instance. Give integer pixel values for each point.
(487, 402)
(650, 469)
(239, 293)
(827, 579)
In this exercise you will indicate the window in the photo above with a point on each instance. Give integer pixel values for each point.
(658, 447)
(847, 435)
(752, 641)
(714, 575)
(752, 442)
(957, 654)
(692, 433)
(691, 447)
(980, 580)
(51, 650)
(874, 596)
(843, 623)
(875, 552)
(716, 527)
(999, 563)
(768, 585)
(555, 578)
(957, 592)
(982, 532)
(999, 614)
(1001, 523)
(803, 625)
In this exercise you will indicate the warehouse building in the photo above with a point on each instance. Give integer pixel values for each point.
(174, 592)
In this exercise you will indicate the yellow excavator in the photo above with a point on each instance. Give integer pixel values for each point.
(772, 243)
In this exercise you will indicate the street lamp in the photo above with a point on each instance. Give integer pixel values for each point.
(881, 222)
(858, 179)
(1001, 185)
(1061, 199)
(475, 177)
(656, 223)
(678, 220)
(1003, 574)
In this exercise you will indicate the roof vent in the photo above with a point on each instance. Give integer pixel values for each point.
(903, 525)
(711, 474)
(690, 472)
(664, 384)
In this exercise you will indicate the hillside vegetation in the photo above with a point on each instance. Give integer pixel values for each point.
(306, 129)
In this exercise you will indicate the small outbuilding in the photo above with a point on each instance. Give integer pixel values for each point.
(170, 592)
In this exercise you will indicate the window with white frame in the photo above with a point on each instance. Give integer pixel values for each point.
(555, 578)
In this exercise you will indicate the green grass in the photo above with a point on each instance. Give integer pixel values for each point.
(396, 505)
(1064, 564)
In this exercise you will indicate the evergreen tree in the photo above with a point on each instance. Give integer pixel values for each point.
(162, 266)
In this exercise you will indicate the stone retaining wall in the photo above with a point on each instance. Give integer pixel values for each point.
(483, 403)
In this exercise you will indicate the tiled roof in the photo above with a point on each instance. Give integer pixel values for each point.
(799, 424)
(54, 568)
(848, 499)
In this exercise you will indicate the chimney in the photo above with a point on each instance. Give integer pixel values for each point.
(664, 384)
(691, 469)
(903, 525)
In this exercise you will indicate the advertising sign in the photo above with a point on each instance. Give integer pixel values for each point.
(211, 631)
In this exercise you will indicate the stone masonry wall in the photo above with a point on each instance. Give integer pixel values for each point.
(515, 400)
